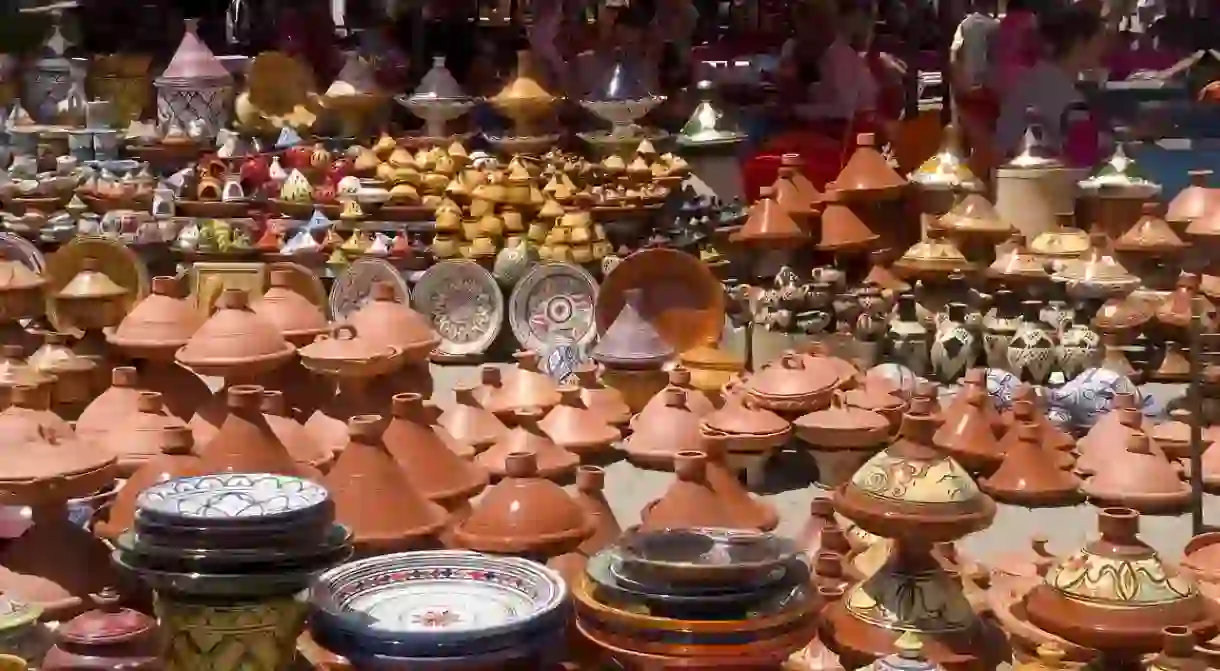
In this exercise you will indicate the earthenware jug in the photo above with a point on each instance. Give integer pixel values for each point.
(999, 326)
(909, 337)
(1079, 348)
(955, 346)
(1031, 352)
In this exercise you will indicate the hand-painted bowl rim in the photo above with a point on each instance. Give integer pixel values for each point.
(329, 612)
(479, 656)
(152, 501)
(218, 585)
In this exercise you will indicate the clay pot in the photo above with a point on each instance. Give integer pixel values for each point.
(1107, 422)
(1141, 478)
(550, 460)
(690, 502)
(867, 176)
(749, 511)
(119, 400)
(14, 371)
(606, 402)
(297, 318)
(796, 384)
(504, 392)
(745, 427)
(139, 436)
(968, 435)
(576, 428)
(74, 375)
(157, 325)
(821, 532)
(376, 498)
(889, 406)
(1194, 202)
(28, 420)
(107, 638)
(1029, 475)
(1082, 604)
(389, 323)
(1108, 439)
(770, 225)
(1121, 315)
(1178, 652)
(1175, 313)
(794, 192)
(525, 514)
(417, 445)
(711, 368)
(175, 460)
(235, 340)
(975, 378)
(469, 423)
(591, 497)
(658, 435)
(1202, 557)
(841, 439)
(696, 401)
(1174, 436)
(300, 443)
(246, 443)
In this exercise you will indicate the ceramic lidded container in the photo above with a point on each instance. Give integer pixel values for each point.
(108, 638)
(296, 317)
(388, 321)
(659, 434)
(235, 340)
(157, 325)
(746, 427)
(344, 353)
(91, 299)
(795, 384)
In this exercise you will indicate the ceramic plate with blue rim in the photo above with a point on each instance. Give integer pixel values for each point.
(437, 603)
(233, 499)
(702, 556)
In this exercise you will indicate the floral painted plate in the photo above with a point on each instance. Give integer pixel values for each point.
(227, 499)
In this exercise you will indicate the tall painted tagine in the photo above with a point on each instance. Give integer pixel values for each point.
(195, 89)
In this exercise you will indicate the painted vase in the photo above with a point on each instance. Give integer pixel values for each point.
(1091, 394)
(513, 261)
(955, 346)
(1079, 348)
(909, 337)
(1056, 314)
(1031, 352)
(999, 327)
(234, 636)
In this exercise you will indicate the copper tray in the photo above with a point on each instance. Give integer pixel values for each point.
(681, 298)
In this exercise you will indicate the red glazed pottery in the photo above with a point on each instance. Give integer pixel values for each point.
(108, 638)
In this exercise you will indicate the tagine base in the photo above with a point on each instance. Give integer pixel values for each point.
(230, 635)
(56, 564)
(858, 644)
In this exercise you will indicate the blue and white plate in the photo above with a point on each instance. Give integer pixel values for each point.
(437, 603)
(234, 499)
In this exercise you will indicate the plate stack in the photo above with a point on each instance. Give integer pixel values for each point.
(232, 535)
(697, 597)
(445, 608)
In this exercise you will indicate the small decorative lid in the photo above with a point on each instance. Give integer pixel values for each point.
(437, 84)
(194, 62)
(631, 341)
(708, 125)
(1017, 263)
(973, 213)
(1150, 235)
(91, 283)
(107, 624)
(1065, 241)
(868, 172)
(935, 254)
(947, 168)
(1034, 151)
(1120, 174)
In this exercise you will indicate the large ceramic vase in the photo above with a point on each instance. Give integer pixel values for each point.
(1031, 352)
(909, 337)
(999, 327)
(955, 347)
(1079, 348)
(230, 635)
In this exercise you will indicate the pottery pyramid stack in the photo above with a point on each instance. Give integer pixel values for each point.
(195, 87)
(873, 191)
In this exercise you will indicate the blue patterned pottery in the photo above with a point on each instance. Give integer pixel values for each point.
(435, 604)
(238, 499)
(1001, 386)
(1091, 395)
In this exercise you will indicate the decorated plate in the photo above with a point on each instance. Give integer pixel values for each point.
(682, 299)
(699, 556)
(232, 497)
(437, 602)
(18, 248)
(464, 304)
(554, 301)
(354, 286)
(114, 259)
(304, 282)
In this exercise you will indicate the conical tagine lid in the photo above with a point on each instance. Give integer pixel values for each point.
(1017, 263)
(356, 78)
(933, 255)
(51, 55)
(708, 125)
(1150, 235)
(868, 173)
(1121, 174)
(947, 167)
(437, 84)
(632, 342)
(770, 224)
(975, 214)
(1034, 152)
(194, 61)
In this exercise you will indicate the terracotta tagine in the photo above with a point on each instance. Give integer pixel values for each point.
(607, 402)
(1107, 422)
(973, 216)
(867, 176)
(975, 378)
(298, 319)
(91, 301)
(235, 341)
(749, 510)
(795, 384)
(1016, 264)
(177, 459)
(794, 192)
(434, 468)
(1141, 478)
(1150, 235)
(505, 391)
(770, 225)
(29, 420)
(1175, 313)
(1052, 435)
(1122, 619)
(1023, 412)
(388, 322)
(158, 325)
(967, 436)
(658, 435)
(14, 372)
(842, 229)
(1108, 439)
(525, 514)
(469, 423)
(21, 296)
(690, 502)
(590, 483)
(246, 443)
(841, 438)
(746, 428)
(1121, 315)
(890, 406)
(550, 460)
(1030, 476)
(1174, 436)
(917, 496)
(1178, 652)
(1194, 202)
(1174, 365)
(631, 342)
(75, 375)
(576, 428)
(377, 499)
(108, 638)
(138, 436)
(696, 401)
(300, 443)
(119, 400)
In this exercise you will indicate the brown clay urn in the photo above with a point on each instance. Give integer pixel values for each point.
(177, 459)
(107, 638)
(842, 229)
(796, 384)
(868, 175)
(376, 498)
(968, 437)
(794, 192)
(28, 419)
(1174, 436)
(434, 468)
(298, 319)
(690, 502)
(631, 342)
(1194, 202)
(1150, 235)
(469, 423)
(388, 322)
(1141, 477)
(607, 402)
(660, 434)
(246, 443)
(157, 325)
(235, 341)
(1052, 435)
(139, 436)
(1108, 439)
(525, 514)
(504, 392)
(551, 461)
(576, 428)
(1030, 477)
(770, 225)
(696, 401)
(300, 443)
(1080, 602)
(975, 378)
(1175, 312)
(119, 400)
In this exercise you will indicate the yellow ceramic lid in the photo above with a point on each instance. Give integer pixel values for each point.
(711, 357)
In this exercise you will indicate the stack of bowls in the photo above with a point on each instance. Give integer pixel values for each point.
(696, 597)
(440, 609)
(238, 535)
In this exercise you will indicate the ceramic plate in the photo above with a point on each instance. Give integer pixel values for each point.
(681, 297)
(332, 549)
(18, 248)
(287, 533)
(437, 600)
(232, 497)
(304, 282)
(237, 586)
(553, 301)
(720, 556)
(354, 285)
(464, 304)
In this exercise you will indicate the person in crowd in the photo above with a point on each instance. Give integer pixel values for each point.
(819, 69)
(970, 51)
(622, 34)
(1016, 45)
(1075, 41)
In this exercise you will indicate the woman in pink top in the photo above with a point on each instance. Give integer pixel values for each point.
(1017, 46)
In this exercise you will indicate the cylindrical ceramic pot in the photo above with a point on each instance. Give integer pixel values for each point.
(231, 635)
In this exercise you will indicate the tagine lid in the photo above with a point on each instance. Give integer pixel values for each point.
(1034, 152)
(975, 214)
(91, 283)
(1195, 201)
(52, 463)
(16, 276)
(842, 425)
(355, 79)
(842, 229)
(1066, 241)
(194, 61)
(107, 624)
(770, 223)
(631, 341)
(1120, 174)
(1097, 267)
(234, 335)
(935, 254)
(947, 168)
(524, 513)
(294, 314)
(437, 84)
(523, 87)
(1016, 262)
(388, 320)
(161, 320)
(741, 416)
(708, 125)
(623, 82)
(344, 343)
(1150, 234)
(794, 376)
(868, 173)
(1116, 592)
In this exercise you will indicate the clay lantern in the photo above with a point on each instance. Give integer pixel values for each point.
(387, 321)
(299, 320)
(770, 225)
